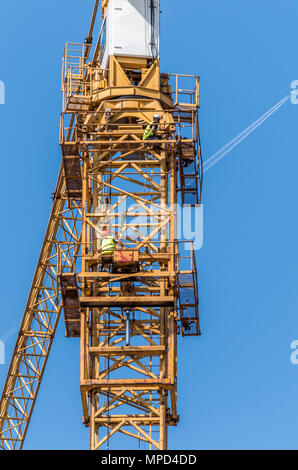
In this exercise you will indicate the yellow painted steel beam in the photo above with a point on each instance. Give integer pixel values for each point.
(37, 329)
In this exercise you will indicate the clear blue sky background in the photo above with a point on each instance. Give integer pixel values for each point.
(237, 386)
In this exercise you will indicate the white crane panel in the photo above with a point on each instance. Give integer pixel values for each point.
(131, 28)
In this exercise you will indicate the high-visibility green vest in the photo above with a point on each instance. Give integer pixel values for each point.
(149, 132)
(108, 245)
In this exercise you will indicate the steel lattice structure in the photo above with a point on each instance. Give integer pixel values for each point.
(127, 310)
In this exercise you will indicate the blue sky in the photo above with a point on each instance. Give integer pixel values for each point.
(237, 388)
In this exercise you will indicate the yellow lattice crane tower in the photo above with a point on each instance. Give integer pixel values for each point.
(111, 259)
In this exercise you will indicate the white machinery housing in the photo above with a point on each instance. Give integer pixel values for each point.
(130, 28)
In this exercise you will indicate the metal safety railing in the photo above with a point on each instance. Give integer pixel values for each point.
(169, 132)
(80, 79)
(74, 83)
(187, 287)
(185, 90)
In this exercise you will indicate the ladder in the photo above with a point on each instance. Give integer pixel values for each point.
(188, 296)
(189, 179)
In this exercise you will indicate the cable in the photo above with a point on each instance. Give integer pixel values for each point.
(152, 43)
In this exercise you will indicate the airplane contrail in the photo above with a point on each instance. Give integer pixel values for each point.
(223, 151)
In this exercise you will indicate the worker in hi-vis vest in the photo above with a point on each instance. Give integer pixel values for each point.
(152, 128)
(109, 243)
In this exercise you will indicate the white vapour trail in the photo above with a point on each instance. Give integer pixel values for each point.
(277, 105)
(221, 153)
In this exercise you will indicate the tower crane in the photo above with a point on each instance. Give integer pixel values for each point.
(125, 305)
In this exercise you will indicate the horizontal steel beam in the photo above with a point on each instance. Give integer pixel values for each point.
(140, 301)
(129, 350)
